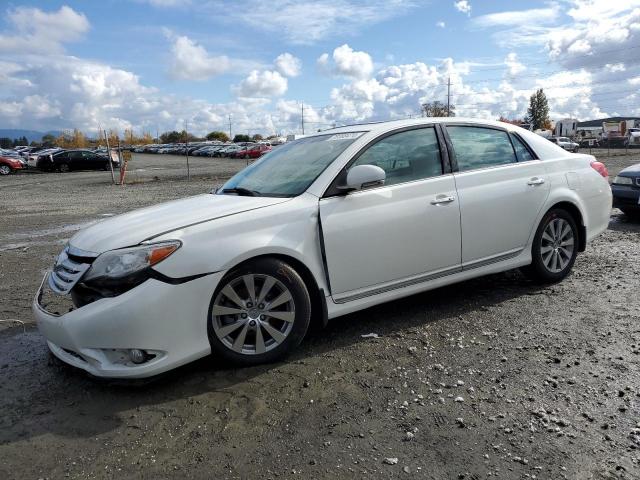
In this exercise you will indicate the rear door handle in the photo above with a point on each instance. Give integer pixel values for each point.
(535, 181)
(440, 199)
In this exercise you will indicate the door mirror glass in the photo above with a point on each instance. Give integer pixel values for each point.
(364, 176)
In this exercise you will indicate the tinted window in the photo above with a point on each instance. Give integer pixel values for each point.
(405, 156)
(477, 147)
(523, 154)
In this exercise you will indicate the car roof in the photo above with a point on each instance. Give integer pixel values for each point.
(379, 127)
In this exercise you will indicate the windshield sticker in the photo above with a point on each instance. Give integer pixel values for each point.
(345, 136)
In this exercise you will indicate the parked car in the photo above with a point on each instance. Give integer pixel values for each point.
(10, 164)
(626, 190)
(252, 151)
(227, 151)
(68, 160)
(323, 226)
(565, 143)
(34, 158)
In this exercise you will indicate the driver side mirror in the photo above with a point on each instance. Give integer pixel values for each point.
(364, 176)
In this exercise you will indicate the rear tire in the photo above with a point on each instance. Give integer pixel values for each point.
(259, 313)
(63, 168)
(554, 249)
(5, 170)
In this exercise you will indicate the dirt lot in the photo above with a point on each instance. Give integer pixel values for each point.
(492, 378)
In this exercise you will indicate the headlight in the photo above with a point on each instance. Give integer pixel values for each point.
(117, 265)
(623, 181)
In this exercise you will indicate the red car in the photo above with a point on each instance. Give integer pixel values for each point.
(9, 164)
(253, 151)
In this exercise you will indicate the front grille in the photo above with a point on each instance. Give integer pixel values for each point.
(66, 273)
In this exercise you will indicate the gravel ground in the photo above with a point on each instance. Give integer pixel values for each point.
(491, 378)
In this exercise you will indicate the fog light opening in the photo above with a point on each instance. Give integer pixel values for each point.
(138, 356)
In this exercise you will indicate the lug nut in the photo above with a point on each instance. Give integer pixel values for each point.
(249, 304)
(262, 317)
(243, 315)
(252, 323)
(261, 306)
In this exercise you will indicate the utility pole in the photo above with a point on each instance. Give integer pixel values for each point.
(449, 96)
(302, 118)
(186, 145)
(230, 137)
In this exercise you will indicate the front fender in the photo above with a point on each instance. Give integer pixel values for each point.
(289, 229)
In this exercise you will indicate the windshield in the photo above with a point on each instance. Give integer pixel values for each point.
(290, 169)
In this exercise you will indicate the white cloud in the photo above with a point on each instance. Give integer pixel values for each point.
(514, 66)
(535, 16)
(37, 31)
(463, 6)
(307, 21)
(264, 83)
(191, 61)
(615, 67)
(347, 62)
(440, 24)
(288, 65)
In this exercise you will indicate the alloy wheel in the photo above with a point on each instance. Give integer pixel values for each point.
(558, 244)
(5, 170)
(253, 314)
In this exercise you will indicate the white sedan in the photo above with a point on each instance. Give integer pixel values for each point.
(320, 227)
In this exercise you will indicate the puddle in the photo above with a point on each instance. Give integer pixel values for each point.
(26, 245)
(47, 232)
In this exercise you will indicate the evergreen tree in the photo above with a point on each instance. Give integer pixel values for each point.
(538, 112)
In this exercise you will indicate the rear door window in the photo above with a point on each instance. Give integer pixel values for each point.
(479, 147)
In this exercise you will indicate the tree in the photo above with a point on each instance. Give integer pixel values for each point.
(217, 135)
(538, 112)
(257, 137)
(171, 137)
(437, 109)
(48, 140)
(241, 138)
(513, 121)
(6, 142)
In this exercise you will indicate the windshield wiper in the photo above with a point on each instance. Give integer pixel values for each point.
(241, 191)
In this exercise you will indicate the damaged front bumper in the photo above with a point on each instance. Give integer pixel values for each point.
(168, 322)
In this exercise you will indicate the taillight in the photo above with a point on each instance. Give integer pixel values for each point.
(600, 168)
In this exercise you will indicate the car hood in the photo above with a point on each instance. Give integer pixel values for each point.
(633, 170)
(143, 224)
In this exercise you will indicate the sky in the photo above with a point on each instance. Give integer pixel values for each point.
(159, 65)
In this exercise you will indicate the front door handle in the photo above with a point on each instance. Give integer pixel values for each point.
(535, 181)
(441, 199)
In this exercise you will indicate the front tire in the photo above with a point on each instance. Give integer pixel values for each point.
(260, 312)
(5, 170)
(554, 249)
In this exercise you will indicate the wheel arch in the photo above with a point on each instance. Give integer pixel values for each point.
(575, 212)
(319, 315)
